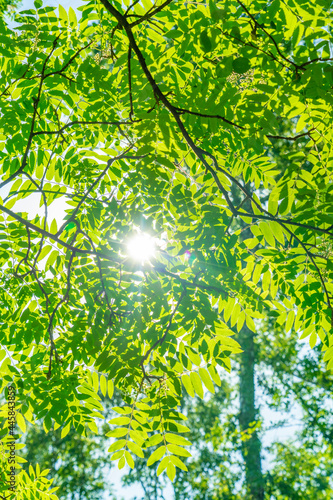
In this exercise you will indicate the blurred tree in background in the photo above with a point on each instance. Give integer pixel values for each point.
(292, 388)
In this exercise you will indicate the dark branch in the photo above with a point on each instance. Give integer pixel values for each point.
(150, 13)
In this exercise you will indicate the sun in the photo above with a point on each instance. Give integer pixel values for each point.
(141, 247)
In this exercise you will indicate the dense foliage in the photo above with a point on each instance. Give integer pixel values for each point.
(8, 7)
(158, 119)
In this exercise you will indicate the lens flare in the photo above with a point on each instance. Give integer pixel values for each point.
(141, 247)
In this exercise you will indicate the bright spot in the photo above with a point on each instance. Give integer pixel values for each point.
(141, 247)
(187, 255)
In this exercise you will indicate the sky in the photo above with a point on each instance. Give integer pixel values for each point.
(57, 211)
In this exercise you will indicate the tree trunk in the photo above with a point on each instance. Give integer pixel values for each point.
(251, 447)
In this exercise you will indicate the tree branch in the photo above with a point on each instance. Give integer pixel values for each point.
(150, 14)
(31, 134)
(162, 339)
(71, 124)
(267, 34)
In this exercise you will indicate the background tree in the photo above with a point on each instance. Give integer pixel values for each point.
(77, 464)
(290, 383)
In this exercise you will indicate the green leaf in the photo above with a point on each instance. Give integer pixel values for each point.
(241, 65)
(119, 432)
(178, 463)
(162, 465)
(65, 430)
(117, 445)
(205, 41)
(120, 421)
(214, 374)
(204, 375)
(102, 382)
(156, 455)
(72, 17)
(176, 439)
(216, 13)
(63, 15)
(123, 410)
(177, 450)
(110, 388)
(224, 68)
(188, 385)
(129, 459)
(154, 440)
(313, 340)
(70, 226)
(267, 232)
(171, 471)
(290, 321)
(21, 422)
(197, 384)
(135, 449)
(117, 455)
(277, 231)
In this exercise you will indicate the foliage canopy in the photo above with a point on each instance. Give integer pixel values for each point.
(162, 119)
